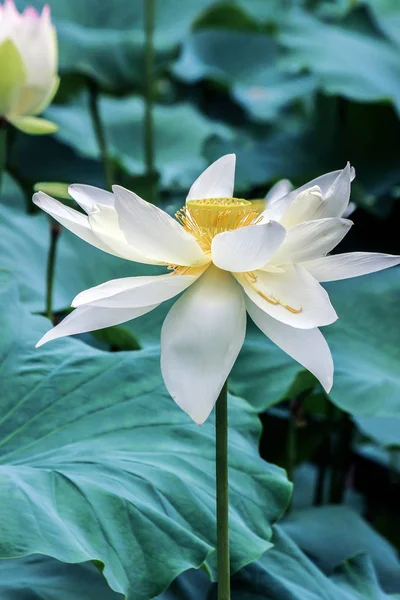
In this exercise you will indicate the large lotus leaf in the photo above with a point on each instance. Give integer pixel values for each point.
(180, 132)
(331, 534)
(98, 463)
(233, 58)
(286, 573)
(365, 344)
(386, 14)
(105, 40)
(336, 55)
(385, 431)
(42, 578)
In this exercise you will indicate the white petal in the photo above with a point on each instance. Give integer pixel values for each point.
(324, 183)
(292, 297)
(154, 233)
(88, 196)
(104, 222)
(311, 239)
(280, 189)
(200, 340)
(131, 292)
(351, 264)
(303, 208)
(90, 318)
(101, 228)
(247, 248)
(69, 218)
(307, 346)
(337, 196)
(217, 181)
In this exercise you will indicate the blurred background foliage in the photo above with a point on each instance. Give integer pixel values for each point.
(295, 88)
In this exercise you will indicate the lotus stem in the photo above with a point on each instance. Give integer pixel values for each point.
(98, 126)
(221, 435)
(149, 16)
(51, 264)
(3, 148)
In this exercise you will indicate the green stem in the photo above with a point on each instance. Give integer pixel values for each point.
(221, 435)
(51, 263)
(3, 148)
(94, 96)
(341, 458)
(291, 441)
(324, 455)
(149, 94)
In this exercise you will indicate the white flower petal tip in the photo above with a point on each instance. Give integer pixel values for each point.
(280, 189)
(217, 181)
(348, 265)
(307, 346)
(200, 340)
(247, 248)
(90, 318)
(89, 196)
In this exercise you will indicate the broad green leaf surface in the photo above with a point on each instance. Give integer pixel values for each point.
(98, 463)
(233, 58)
(385, 431)
(42, 578)
(286, 573)
(180, 133)
(335, 54)
(105, 41)
(365, 344)
(330, 535)
(386, 13)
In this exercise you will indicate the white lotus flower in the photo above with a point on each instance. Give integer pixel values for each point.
(226, 259)
(28, 66)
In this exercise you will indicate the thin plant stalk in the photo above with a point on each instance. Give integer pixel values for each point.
(149, 17)
(324, 456)
(3, 148)
(341, 459)
(221, 435)
(291, 440)
(55, 231)
(98, 127)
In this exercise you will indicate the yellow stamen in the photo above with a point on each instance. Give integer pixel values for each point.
(206, 218)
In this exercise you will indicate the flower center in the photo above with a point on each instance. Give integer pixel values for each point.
(204, 219)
